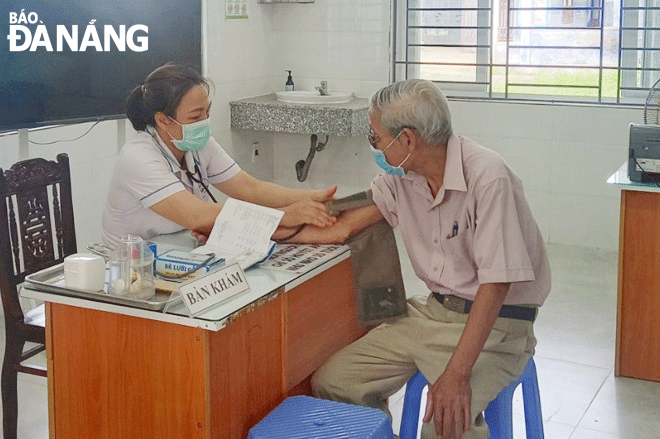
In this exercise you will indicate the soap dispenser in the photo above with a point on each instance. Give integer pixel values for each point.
(289, 82)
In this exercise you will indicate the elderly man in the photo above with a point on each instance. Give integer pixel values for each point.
(471, 238)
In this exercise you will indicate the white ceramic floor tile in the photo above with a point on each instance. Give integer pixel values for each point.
(627, 407)
(585, 433)
(577, 323)
(554, 430)
(576, 330)
(396, 408)
(32, 411)
(566, 389)
(551, 430)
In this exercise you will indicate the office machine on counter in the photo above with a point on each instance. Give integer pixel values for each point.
(644, 153)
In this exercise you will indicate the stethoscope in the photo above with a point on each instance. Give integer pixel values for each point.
(199, 180)
(191, 176)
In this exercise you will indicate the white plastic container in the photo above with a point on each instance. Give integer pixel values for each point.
(84, 271)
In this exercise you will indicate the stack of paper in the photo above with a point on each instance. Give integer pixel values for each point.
(241, 233)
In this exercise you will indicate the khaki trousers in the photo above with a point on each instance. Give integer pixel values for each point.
(377, 365)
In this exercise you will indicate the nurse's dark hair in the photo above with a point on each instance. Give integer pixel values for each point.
(162, 91)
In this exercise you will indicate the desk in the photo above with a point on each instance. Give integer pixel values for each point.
(119, 372)
(638, 307)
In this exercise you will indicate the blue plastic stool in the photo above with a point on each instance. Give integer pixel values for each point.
(499, 413)
(411, 406)
(304, 417)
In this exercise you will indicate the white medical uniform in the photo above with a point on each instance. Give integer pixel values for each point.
(147, 172)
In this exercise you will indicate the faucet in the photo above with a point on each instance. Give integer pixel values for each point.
(323, 89)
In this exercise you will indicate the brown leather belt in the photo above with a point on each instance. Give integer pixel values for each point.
(462, 306)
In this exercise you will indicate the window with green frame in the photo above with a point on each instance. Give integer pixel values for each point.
(591, 51)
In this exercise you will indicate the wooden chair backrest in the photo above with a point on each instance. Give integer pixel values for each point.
(36, 222)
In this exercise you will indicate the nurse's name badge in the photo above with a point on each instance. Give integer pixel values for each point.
(208, 291)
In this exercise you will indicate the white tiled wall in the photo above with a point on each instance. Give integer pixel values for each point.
(344, 161)
(238, 62)
(562, 153)
(345, 42)
(91, 160)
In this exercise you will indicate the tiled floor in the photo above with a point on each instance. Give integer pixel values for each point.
(580, 396)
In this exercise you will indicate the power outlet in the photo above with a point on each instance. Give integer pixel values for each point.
(255, 151)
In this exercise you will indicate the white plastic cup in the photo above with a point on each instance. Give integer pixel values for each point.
(84, 271)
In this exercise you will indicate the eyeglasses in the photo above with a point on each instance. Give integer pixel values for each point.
(372, 138)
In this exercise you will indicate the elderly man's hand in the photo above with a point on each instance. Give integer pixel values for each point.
(448, 403)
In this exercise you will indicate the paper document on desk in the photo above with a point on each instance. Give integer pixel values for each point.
(300, 258)
(242, 232)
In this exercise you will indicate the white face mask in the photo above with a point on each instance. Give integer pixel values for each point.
(195, 135)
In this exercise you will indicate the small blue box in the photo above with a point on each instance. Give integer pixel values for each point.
(304, 417)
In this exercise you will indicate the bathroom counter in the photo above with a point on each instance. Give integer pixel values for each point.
(266, 113)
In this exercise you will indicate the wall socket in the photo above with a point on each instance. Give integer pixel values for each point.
(255, 151)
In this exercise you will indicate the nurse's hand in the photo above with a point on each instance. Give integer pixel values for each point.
(307, 211)
(201, 237)
(325, 194)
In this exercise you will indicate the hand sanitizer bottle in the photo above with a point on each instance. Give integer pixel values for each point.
(289, 82)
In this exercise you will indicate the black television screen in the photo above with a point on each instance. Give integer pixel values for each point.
(64, 61)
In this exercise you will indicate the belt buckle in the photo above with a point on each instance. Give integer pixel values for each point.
(454, 303)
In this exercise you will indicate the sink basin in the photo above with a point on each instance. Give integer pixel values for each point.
(314, 97)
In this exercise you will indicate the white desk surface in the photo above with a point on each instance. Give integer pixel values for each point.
(620, 179)
(262, 282)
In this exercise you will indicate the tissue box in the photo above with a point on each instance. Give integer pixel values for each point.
(175, 262)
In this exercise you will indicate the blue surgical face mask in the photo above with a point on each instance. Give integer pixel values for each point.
(195, 135)
(381, 160)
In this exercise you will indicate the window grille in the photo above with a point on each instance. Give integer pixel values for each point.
(593, 51)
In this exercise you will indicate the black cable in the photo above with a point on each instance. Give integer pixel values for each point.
(298, 230)
(192, 177)
(644, 171)
(70, 140)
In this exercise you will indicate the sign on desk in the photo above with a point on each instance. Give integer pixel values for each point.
(206, 292)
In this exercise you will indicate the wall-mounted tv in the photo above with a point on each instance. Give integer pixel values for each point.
(67, 61)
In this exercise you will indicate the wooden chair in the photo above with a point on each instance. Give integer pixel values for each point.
(36, 232)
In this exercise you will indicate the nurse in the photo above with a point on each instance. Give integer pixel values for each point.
(162, 176)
